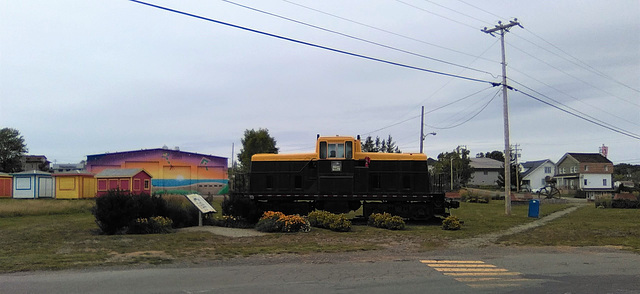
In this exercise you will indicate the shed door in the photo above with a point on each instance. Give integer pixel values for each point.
(45, 187)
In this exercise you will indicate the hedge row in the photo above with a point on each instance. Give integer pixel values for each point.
(327, 220)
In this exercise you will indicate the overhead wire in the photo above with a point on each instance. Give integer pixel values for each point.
(604, 125)
(471, 117)
(357, 38)
(315, 45)
(388, 32)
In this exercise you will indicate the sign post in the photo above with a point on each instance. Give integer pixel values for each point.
(202, 205)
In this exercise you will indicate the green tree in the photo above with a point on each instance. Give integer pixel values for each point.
(457, 161)
(384, 146)
(12, 148)
(514, 178)
(255, 142)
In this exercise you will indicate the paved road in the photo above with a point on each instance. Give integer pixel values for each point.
(461, 270)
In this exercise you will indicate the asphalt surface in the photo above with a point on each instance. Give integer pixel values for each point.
(459, 270)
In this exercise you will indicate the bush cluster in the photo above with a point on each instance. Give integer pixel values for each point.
(451, 223)
(152, 225)
(470, 196)
(327, 220)
(117, 212)
(275, 221)
(230, 221)
(386, 221)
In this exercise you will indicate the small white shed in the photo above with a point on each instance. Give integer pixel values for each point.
(33, 184)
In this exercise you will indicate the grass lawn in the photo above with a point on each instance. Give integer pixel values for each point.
(60, 234)
(588, 226)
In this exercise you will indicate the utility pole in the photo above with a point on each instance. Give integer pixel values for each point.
(501, 29)
(422, 130)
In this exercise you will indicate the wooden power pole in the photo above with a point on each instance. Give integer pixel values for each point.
(501, 29)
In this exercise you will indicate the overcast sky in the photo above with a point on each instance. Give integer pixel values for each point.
(81, 77)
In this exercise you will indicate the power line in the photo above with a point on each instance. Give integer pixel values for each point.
(356, 38)
(387, 31)
(430, 111)
(470, 118)
(574, 77)
(580, 117)
(577, 61)
(438, 15)
(313, 45)
(569, 107)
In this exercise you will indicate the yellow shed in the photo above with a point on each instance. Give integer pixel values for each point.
(75, 185)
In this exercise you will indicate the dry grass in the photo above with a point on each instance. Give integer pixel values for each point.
(25, 207)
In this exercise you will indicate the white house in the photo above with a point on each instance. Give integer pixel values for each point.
(535, 173)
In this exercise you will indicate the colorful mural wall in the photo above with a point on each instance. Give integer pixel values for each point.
(171, 170)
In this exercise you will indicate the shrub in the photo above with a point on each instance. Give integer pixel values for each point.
(180, 211)
(152, 225)
(117, 210)
(275, 221)
(327, 220)
(451, 223)
(386, 221)
(241, 207)
(229, 222)
(114, 211)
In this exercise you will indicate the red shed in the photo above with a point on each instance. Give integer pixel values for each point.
(134, 180)
(6, 187)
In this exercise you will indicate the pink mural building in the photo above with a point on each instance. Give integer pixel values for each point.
(171, 170)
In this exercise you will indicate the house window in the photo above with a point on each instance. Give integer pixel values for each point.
(604, 182)
(486, 173)
(574, 169)
(585, 182)
(547, 169)
(146, 184)
(606, 168)
(586, 168)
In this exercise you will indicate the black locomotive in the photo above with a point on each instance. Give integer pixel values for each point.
(339, 178)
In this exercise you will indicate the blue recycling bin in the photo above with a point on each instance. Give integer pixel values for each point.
(534, 208)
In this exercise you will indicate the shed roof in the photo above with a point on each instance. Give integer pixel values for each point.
(120, 173)
(32, 173)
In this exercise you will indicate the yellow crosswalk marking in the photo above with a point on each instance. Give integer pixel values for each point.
(460, 265)
(451, 261)
(476, 273)
(483, 274)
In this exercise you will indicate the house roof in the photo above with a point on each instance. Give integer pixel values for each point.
(531, 166)
(73, 173)
(589, 157)
(485, 163)
(120, 173)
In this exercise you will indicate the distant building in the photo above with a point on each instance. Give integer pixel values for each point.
(535, 173)
(485, 172)
(34, 162)
(587, 174)
(69, 167)
(171, 170)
